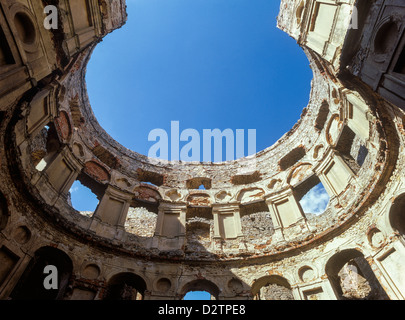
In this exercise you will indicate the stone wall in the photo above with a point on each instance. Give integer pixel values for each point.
(153, 235)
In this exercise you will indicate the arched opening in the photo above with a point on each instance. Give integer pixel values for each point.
(84, 195)
(352, 278)
(199, 289)
(312, 196)
(272, 288)
(125, 286)
(352, 149)
(31, 284)
(315, 201)
(397, 215)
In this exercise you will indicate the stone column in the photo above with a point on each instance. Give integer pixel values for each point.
(227, 224)
(59, 175)
(110, 215)
(170, 233)
(328, 289)
(41, 110)
(278, 228)
(285, 212)
(357, 115)
(389, 263)
(334, 174)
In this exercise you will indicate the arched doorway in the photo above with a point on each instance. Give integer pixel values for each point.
(352, 278)
(201, 285)
(31, 284)
(125, 286)
(272, 288)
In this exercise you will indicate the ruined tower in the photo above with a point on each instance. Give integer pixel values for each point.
(154, 234)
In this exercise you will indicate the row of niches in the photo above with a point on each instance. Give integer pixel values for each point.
(254, 224)
(347, 271)
(249, 230)
(270, 170)
(150, 198)
(347, 132)
(54, 159)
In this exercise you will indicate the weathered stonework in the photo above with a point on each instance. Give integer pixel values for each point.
(246, 236)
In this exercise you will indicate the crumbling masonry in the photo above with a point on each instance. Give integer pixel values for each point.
(154, 234)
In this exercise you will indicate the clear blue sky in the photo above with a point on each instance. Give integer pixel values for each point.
(205, 63)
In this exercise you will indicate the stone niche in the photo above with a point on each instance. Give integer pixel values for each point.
(81, 14)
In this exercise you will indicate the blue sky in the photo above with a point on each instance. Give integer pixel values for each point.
(197, 295)
(205, 63)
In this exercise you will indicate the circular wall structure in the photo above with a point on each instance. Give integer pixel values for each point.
(154, 234)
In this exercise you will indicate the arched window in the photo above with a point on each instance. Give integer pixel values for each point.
(82, 197)
(315, 201)
(312, 196)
